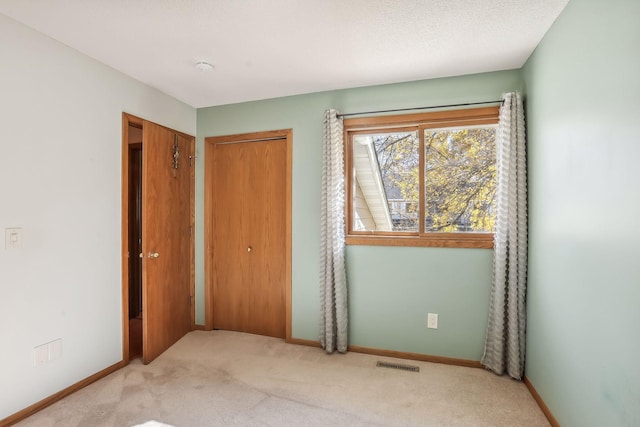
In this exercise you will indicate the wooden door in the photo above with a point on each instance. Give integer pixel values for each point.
(248, 233)
(166, 222)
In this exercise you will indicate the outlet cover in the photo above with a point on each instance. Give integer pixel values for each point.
(40, 355)
(55, 349)
(432, 321)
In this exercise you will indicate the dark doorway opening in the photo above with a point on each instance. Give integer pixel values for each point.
(135, 242)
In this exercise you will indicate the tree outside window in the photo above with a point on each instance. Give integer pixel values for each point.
(431, 181)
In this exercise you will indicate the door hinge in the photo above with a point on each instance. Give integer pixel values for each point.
(191, 300)
(191, 231)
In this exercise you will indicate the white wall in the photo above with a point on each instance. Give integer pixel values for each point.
(60, 173)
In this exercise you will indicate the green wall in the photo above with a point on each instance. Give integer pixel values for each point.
(583, 110)
(390, 289)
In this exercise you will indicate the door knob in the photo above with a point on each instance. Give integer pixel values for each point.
(249, 249)
(154, 254)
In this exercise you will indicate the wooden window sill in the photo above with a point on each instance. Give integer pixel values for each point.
(441, 240)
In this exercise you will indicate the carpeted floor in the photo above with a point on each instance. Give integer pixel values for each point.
(232, 379)
(135, 337)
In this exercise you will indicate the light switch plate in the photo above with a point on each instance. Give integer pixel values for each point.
(13, 238)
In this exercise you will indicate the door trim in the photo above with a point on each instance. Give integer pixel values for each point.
(127, 120)
(210, 142)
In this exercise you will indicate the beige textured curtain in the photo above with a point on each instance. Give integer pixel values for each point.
(505, 342)
(333, 279)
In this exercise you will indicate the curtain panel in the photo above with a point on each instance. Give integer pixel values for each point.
(333, 279)
(505, 341)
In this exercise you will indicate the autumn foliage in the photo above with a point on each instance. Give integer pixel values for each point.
(459, 178)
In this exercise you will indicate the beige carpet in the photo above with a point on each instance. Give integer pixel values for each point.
(231, 379)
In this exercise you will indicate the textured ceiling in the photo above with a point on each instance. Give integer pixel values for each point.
(270, 48)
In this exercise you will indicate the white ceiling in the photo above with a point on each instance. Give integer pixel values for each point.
(270, 48)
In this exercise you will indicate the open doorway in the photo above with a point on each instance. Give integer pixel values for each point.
(135, 241)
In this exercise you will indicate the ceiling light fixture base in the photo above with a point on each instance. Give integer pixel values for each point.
(204, 66)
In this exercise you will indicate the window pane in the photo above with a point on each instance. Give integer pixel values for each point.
(385, 196)
(460, 179)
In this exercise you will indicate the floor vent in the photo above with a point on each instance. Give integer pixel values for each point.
(398, 366)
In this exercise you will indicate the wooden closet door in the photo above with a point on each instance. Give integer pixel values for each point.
(166, 223)
(248, 229)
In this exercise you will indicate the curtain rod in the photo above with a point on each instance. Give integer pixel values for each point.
(422, 108)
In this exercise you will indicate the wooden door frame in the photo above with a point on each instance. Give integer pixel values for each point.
(127, 120)
(283, 134)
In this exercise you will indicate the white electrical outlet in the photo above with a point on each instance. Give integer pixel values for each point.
(40, 355)
(432, 321)
(47, 352)
(55, 349)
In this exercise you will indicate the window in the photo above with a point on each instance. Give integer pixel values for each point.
(424, 179)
